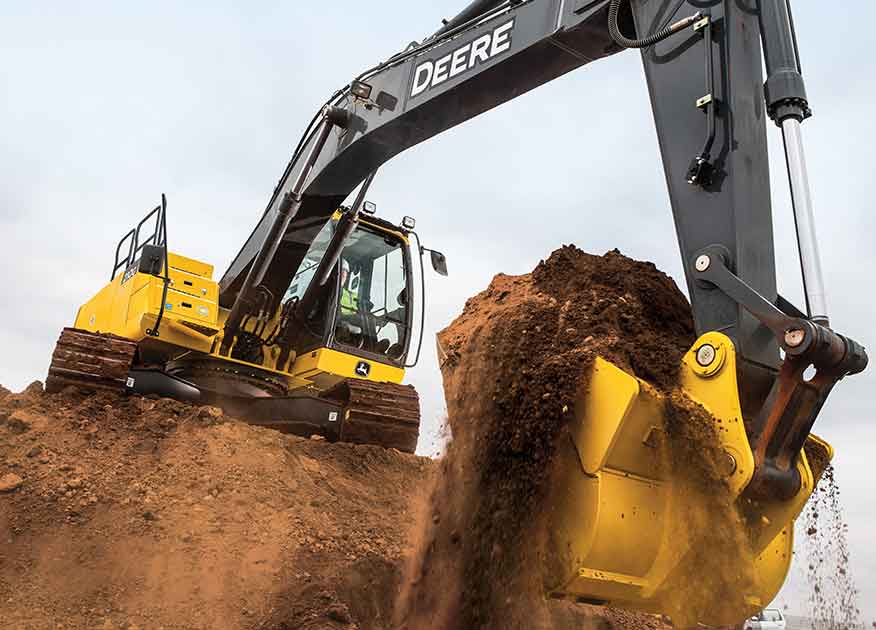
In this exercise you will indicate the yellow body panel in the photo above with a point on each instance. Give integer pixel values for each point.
(129, 305)
(621, 525)
(193, 321)
(337, 365)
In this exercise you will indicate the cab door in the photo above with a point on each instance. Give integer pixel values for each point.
(373, 314)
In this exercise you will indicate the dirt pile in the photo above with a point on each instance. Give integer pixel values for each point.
(136, 513)
(513, 363)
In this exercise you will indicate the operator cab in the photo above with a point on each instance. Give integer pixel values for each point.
(365, 308)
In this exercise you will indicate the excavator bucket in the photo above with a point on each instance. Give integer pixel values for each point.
(649, 511)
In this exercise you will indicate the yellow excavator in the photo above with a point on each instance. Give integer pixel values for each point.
(329, 360)
(311, 327)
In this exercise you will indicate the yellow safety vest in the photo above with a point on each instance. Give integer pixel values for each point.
(349, 302)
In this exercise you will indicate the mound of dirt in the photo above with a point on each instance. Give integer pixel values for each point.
(513, 364)
(120, 512)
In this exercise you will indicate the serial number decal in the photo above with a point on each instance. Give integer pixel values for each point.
(432, 73)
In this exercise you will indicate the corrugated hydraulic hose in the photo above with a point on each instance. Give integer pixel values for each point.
(621, 40)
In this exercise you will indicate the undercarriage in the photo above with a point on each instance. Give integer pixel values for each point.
(355, 411)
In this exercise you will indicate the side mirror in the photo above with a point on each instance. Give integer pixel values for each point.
(439, 262)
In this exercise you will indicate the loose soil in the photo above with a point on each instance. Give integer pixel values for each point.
(137, 513)
(513, 364)
(132, 513)
(833, 595)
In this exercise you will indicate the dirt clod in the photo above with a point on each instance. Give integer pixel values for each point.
(19, 422)
(10, 482)
(339, 613)
(34, 389)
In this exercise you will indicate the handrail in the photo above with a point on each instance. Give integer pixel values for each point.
(160, 235)
(132, 235)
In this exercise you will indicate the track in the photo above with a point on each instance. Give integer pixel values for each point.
(90, 360)
(379, 413)
(382, 414)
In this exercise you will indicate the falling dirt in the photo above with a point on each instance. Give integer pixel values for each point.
(720, 559)
(513, 364)
(833, 596)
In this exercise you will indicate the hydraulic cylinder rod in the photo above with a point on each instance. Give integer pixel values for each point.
(331, 117)
(804, 218)
(335, 248)
(788, 106)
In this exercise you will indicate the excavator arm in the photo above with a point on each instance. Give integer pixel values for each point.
(703, 60)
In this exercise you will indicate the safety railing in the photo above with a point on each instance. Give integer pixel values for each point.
(157, 222)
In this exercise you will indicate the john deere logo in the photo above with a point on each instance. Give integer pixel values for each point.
(363, 369)
(464, 59)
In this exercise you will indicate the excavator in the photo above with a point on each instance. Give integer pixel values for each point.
(313, 324)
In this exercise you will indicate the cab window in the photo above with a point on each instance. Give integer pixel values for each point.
(373, 300)
(307, 268)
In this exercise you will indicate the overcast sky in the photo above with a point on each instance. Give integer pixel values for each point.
(105, 105)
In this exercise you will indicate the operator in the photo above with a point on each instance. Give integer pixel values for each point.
(349, 299)
(350, 327)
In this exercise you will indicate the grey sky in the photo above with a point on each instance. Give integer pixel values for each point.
(107, 104)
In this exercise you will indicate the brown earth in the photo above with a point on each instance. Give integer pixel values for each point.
(514, 363)
(137, 513)
(134, 513)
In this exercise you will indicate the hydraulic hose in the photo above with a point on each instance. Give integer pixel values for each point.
(162, 226)
(621, 40)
